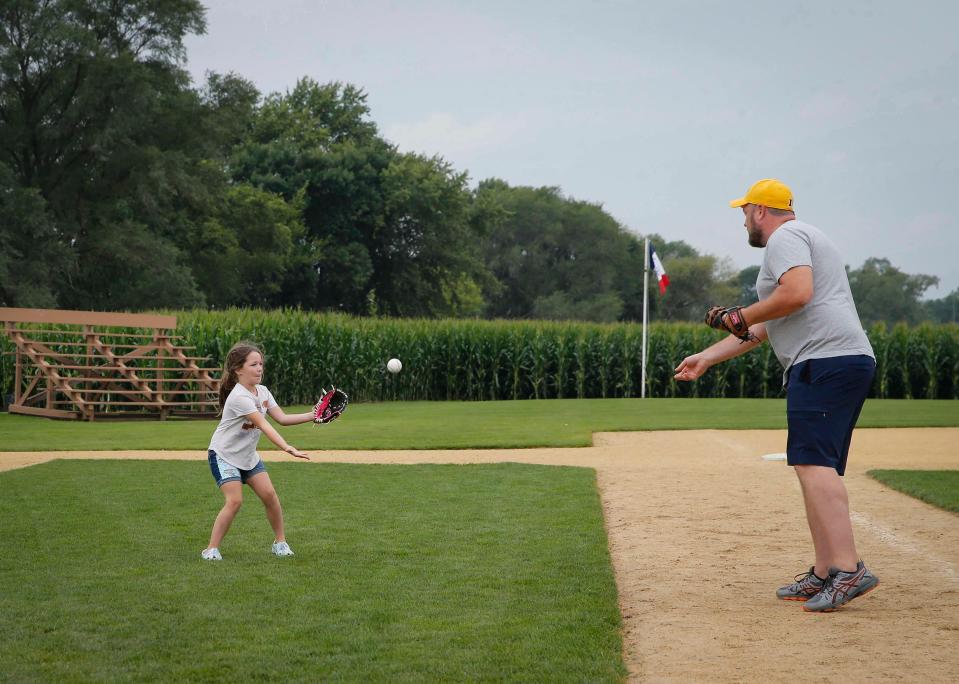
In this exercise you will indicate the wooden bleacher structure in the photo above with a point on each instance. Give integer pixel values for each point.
(85, 365)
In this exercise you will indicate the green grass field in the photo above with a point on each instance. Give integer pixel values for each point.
(402, 573)
(937, 487)
(460, 425)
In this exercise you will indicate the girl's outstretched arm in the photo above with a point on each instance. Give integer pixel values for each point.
(261, 422)
(277, 414)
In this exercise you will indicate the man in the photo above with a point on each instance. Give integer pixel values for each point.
(807, 313)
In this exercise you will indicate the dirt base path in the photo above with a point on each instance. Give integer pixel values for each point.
(702, 531)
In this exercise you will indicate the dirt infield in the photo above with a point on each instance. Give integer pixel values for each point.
(702, 531)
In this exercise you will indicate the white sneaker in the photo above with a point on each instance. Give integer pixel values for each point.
(282, 549)
(211, 554)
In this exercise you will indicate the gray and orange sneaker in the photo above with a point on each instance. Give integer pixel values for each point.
(841, 588)
(804, 588)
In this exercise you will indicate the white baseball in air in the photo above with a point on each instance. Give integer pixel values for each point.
(394, 366)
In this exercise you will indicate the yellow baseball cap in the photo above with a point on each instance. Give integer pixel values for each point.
(768, 192)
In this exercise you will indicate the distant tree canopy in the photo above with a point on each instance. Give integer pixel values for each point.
(387, 231)
(124, 186)
(553, 257)
(96, 144)
(696, 282)
(884, 293)
(944, 310)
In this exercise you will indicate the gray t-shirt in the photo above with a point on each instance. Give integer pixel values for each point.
(829, 324)
(235, 438)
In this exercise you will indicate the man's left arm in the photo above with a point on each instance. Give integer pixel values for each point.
(794, 291)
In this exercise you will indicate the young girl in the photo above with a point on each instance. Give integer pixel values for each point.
(232, 453)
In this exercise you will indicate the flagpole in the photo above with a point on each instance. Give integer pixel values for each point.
(645, 314)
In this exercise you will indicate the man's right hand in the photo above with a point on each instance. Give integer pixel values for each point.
(692, 367)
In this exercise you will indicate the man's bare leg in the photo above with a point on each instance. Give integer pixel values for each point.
(827, 512)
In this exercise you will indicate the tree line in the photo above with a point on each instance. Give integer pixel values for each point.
(125, 186)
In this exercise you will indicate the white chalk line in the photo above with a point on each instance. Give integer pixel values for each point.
(887, 536)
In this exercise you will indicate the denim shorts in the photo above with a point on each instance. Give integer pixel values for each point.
(225, 472)
(823, 401)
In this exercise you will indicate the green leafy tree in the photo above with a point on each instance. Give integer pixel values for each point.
(397, 230)
(745, 280)
(695, 284)
(270, 239)
(31, 256)
(126, 266)
(605, 307)
(555, 257)
(130, 163)
(672, 249)
(253, 251)
(944, 310)
(424, 256)
(463, 298)
(74, 75)
(96, 118)
(318, 140)
(230, 102)
(884, 293)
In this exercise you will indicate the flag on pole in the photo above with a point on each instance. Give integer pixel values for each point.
(660, 271)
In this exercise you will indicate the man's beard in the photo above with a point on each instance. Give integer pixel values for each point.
(755, 237)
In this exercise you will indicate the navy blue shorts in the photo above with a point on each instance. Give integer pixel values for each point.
(823, 401)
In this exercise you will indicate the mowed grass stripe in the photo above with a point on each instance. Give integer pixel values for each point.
(461, 425)
(937, 487)
(402, 573)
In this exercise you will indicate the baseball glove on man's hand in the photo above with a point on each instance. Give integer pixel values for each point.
(730, 320)
(330, 406)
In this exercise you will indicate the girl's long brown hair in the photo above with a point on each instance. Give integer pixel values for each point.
(235, 359)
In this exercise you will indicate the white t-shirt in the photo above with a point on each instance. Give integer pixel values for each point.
(235, 438)
(828, 325)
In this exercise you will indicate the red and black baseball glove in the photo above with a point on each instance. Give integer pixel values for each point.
(330, 406)
(731, 320)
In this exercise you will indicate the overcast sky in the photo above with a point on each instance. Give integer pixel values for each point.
(659, 111)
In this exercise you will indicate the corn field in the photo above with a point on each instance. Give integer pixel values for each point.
(452, 360)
